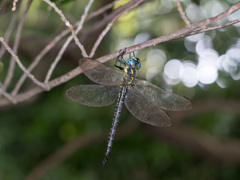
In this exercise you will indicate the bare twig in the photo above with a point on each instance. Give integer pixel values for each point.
(9, 97)
(53, 65)
(216, 27)
(21, 65)
(38, 58)
(104, 32)
(101, 10)
(11, 68)
(8, 33)
(67, 23)
(36, 90)
(52, 44)
(89, 33)
(177, 34)
(182, 13)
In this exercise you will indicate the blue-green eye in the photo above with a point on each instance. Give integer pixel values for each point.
(138, 65)
(134, 63)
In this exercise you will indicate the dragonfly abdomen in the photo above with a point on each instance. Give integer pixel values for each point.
(120, 100)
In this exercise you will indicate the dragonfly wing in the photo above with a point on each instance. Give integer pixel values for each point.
(163, 99)
(100, 73)
(145, 110)
(93, 95)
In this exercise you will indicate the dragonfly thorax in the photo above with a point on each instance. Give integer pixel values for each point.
(130, 75)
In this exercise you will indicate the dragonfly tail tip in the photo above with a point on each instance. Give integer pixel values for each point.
(105, 161)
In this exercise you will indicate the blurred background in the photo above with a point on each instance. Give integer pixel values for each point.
(51, 137)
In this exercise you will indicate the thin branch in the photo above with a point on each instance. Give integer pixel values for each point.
(52, 44)
(101, 10)
(36, 90)
(175, 35)
(104, 32)
(8, 33)
(38, 59)
(182, 13)
(64, 47)
(11, 68)
(21, 65)
(89, 33)
(8, 96)
(76, 144)
(216, 27)
(67, 23)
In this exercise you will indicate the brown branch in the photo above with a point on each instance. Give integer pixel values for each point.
(11, 68)
(8, 96)
(182, 13)
(24, 96)
(21, 65)
(76, 144)
(3, 49)
(52, 44)
(38, 58)
(104, 32)
(216, 27)
(67, 23)
(80, 24)
(101, 10)
(8, 33)
(36, 90)
(172, 36)
(89, 34)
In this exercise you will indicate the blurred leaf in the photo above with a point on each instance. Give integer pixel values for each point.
(120, 3)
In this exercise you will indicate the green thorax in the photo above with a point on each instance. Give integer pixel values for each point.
(129, 76)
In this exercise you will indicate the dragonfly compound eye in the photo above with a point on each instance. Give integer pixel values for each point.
(137, 63)
(134, 63)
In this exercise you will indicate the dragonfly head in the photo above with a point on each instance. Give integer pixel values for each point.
(134, 63)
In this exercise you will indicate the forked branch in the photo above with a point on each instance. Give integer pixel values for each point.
(191, 29)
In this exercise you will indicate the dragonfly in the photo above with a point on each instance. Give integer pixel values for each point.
(146, 101)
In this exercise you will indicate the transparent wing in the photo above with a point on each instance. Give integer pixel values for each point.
(93, 95)
(100, 73)
(145, 110)
(161, 98)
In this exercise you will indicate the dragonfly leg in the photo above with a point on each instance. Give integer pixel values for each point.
(134, 54)
(120, 60)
